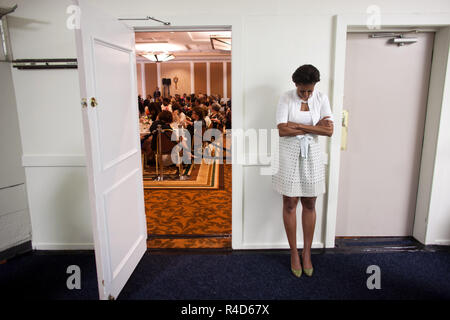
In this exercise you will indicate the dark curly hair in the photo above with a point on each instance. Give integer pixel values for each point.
(199, 111)
(306, 74)
(166, 116)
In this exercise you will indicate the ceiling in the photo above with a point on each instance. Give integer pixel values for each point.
(185, 46)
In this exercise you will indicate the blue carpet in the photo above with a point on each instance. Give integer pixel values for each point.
(252, 276)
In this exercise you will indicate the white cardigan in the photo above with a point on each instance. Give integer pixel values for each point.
(319, 107)
(318, 103)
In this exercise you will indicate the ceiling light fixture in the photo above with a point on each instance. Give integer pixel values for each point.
(221, 43)
(158, 57)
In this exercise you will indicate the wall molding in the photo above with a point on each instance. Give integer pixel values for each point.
(53, 160)
(443, 242)
(278, 245)
(62, 246)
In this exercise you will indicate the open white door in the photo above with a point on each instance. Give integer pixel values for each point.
(107, 72)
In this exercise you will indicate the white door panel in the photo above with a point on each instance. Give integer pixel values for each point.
(385, 92)
(107, 70)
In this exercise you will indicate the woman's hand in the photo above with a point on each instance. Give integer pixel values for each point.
(292, 125)
(284, 129)
(323, 127)
(324, 122)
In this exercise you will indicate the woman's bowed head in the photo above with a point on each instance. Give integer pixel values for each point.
(305, 79)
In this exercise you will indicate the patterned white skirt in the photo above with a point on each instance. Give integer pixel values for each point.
(298, 176)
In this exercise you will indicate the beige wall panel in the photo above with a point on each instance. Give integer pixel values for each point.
(200, 77)
(151, 80)
(139, 80)
(180, 70)
(229, 79)
(216, 71)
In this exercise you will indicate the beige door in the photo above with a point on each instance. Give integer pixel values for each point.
(385, 94)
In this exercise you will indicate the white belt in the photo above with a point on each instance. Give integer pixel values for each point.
(305, 141)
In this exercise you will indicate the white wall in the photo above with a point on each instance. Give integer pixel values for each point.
(50, 125)
(273, 38)
(15, 226)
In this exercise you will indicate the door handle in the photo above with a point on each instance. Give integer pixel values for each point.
(344, 130)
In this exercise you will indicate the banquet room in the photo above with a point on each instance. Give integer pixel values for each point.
(184, 92)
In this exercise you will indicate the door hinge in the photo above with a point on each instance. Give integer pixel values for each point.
(83, 103)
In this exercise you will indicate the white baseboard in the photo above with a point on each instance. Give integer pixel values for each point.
(442, 242)
(280, 245)
(62, 246)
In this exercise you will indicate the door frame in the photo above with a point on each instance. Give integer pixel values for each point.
(437, 96)
(235, 26)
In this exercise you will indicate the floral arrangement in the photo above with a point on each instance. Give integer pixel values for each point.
(145, 123)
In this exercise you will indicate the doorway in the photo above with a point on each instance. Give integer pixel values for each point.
(385, 100)
(187, 206)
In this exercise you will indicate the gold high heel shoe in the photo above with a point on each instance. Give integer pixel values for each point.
(308, 271)
(297, 272)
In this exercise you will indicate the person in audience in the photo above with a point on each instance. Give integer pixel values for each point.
(153, 110)
(202, 102)
(178, 116)
(148, 142)
(187, 109)
(146, 105)
(164, 118)
(157, 93)
(166, 105)
(141, 106)
(206, 116)
(147, 100)
(197, 115)
(228, 117)
(217, 118)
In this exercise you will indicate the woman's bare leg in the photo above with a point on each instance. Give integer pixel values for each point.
(308, 224)
(290, 225)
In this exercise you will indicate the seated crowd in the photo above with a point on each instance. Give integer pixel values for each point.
(176, 112)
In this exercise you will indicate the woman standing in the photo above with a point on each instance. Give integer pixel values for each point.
(302, 115)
